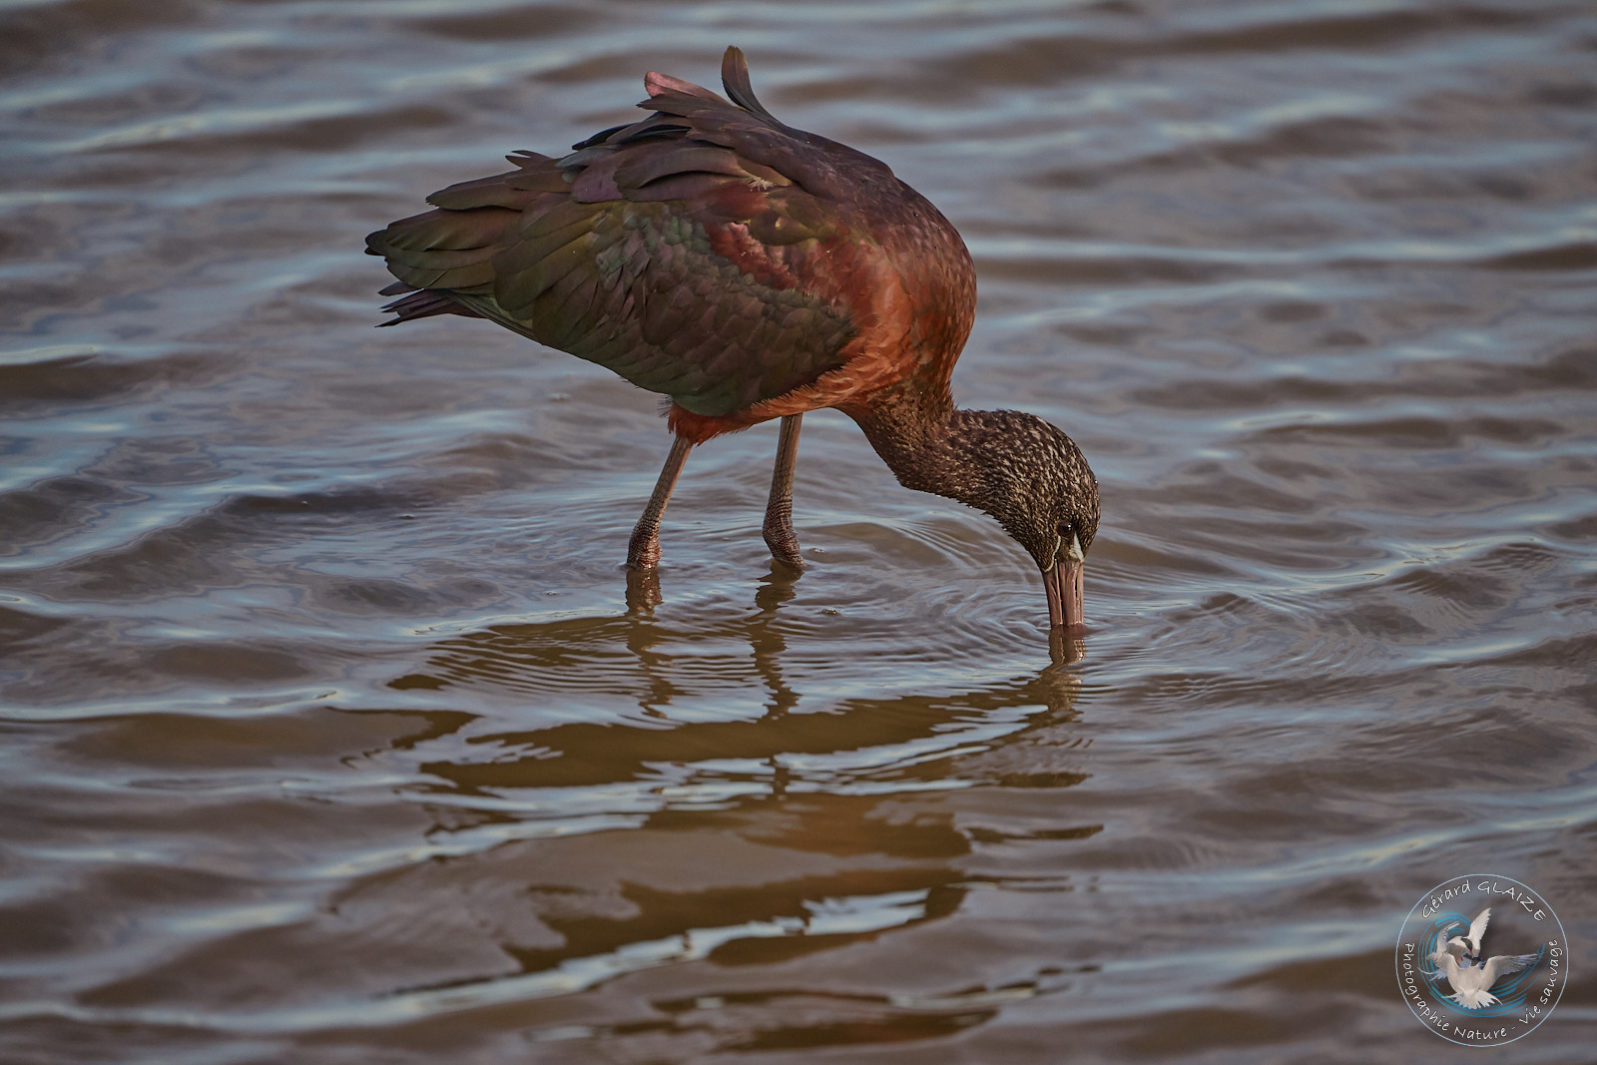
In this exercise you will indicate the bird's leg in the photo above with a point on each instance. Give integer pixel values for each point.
(644, 550)
(779, 535)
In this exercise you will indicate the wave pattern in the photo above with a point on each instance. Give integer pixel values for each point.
(334, 731)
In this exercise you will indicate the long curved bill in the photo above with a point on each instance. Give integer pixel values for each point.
(1066, 603)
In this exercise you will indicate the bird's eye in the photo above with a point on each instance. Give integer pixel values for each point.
(1061, 539)
(1069, 545)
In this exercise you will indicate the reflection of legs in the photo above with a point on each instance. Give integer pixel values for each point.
(644, 550)
(779, 535)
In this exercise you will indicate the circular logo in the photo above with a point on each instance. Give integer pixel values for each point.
(1482, 959)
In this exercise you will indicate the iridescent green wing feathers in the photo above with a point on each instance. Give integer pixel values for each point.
(686, 252)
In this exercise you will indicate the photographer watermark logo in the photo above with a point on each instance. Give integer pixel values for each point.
(1482, 959)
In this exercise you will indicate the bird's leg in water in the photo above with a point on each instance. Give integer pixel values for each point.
(644, 550)
(779, 534)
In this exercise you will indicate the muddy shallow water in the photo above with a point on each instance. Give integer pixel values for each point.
(330, 735)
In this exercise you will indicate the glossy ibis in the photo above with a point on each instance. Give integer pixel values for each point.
(749, 270)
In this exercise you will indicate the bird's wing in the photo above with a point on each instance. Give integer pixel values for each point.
(1477, 929)
(1446, 966)
(707, 252)
(1503, 964)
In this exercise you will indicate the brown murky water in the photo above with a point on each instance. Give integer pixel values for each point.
(329, 736)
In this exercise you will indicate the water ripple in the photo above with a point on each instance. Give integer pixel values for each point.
(334, 729)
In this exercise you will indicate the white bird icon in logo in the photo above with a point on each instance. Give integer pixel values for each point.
(1472, 981)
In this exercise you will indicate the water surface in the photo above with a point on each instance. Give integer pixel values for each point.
(330, 736)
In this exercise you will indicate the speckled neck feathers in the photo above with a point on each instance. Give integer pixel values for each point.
(1020, 469)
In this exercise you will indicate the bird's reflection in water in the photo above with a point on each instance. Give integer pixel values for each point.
(703, 829)
(1065, 650)
(669, 661)
(766, 639)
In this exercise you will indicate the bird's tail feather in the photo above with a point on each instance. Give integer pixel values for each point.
(422, 304)
(1474, 1000)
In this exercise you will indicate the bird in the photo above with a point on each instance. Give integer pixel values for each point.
(750, 271)
(1470, 943)
(1472, 982)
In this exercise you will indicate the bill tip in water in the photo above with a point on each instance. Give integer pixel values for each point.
(1066, 601)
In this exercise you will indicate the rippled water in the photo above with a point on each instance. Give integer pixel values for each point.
(330, 736)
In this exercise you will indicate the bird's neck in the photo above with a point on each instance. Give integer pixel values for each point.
(930, 445)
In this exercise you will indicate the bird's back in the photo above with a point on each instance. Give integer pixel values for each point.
(709, 252)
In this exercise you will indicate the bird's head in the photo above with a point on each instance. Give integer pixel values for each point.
(1036, 482)
(1016, 467)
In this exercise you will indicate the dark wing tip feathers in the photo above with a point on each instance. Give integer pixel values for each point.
(735, 80)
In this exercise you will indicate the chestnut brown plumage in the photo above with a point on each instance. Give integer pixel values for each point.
(750, 271)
